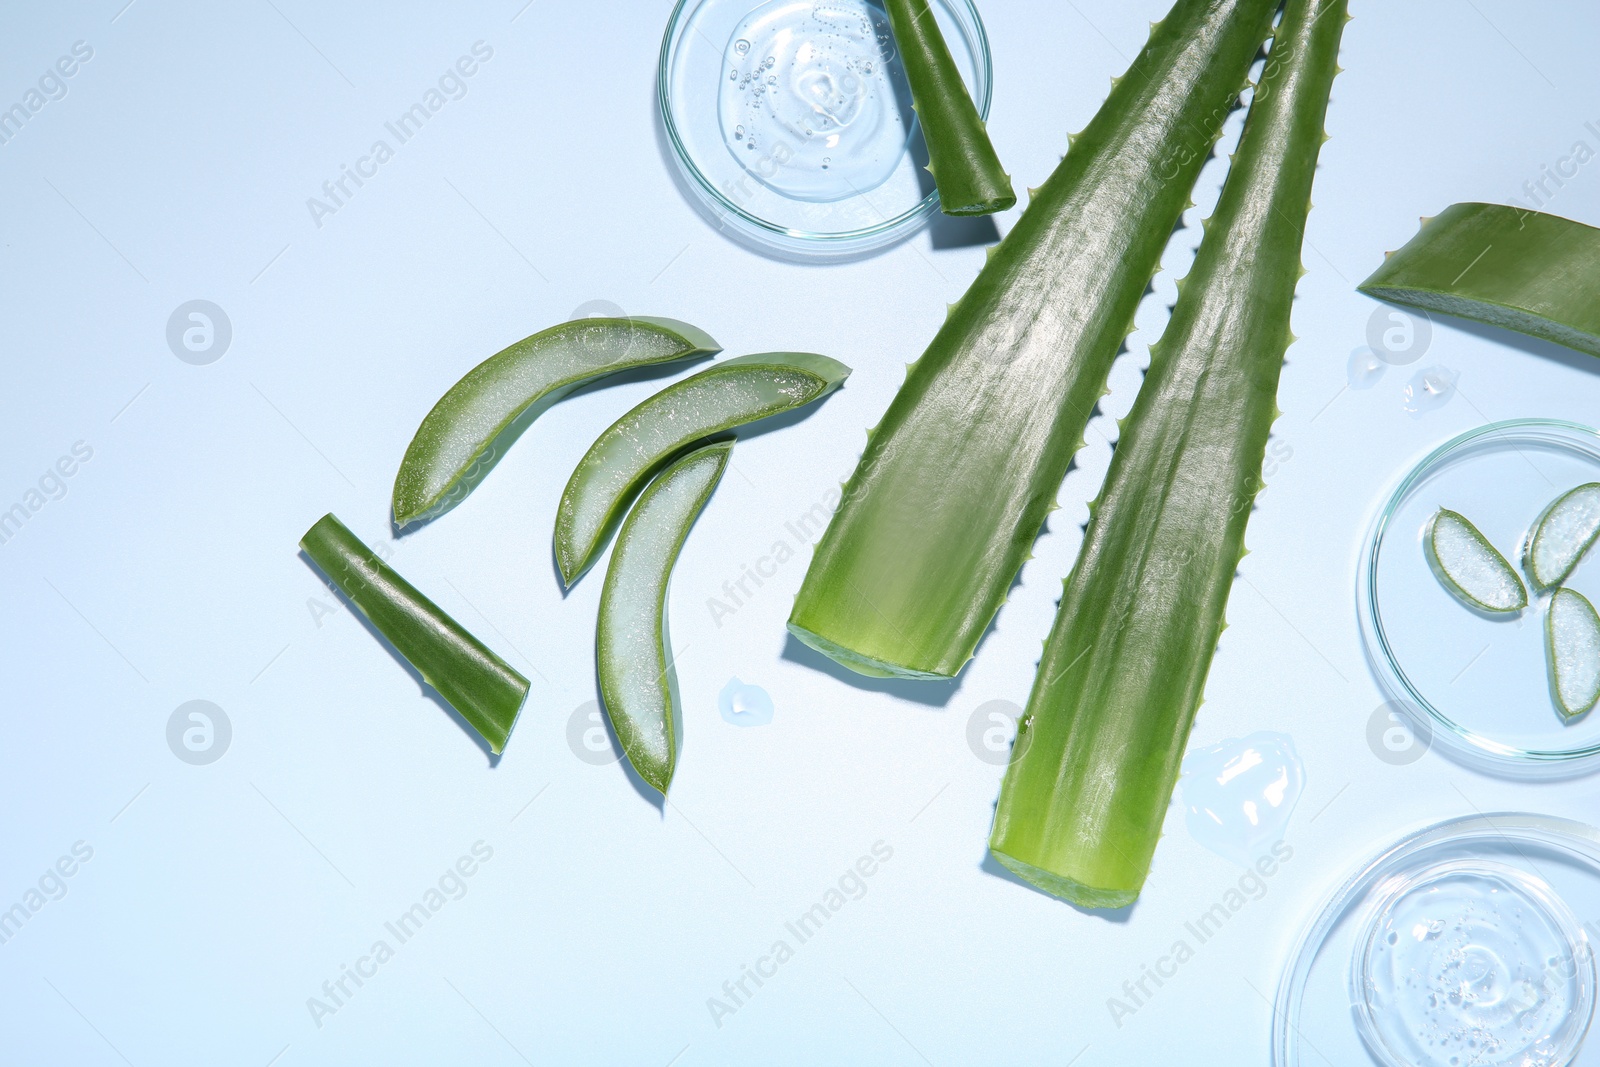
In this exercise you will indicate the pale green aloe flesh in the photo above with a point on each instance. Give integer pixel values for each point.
(637, 683)
(1125, 665)
(476, 682)
(1471, 568)
(1522, 270)
(961, 158)
(482, 415)
(1563, 534)
(636, 446)
(1572, 646)
(958, 477)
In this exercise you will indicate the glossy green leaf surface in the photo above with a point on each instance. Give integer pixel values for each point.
(718, 399)
(637, 683)
(483, 414)
(1121, 677)
(957, 478)
(960, 156)
(1522, 270)
(476, 682)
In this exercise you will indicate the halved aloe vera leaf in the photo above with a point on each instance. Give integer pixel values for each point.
(639, 444)
(637, 682)
(1562, 535)
(1572, 642)
(1123, 671)
(1524, 270)
(958, 477)
(1470, 567)
(473, 424)
(476, 682)
(960, 156)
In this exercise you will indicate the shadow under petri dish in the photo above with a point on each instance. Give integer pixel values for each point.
(813, 103)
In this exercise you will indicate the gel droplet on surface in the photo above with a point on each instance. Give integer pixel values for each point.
(1473, 962)
(1429, 390)
(744, 705)
(827, 84)
(1240, 793)
(1365, 368)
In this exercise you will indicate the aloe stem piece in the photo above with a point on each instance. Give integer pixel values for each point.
(961, 158)
(1562, 535)
(637, 682)
(636, 446)
(1572, 646)
(1471, 568)
(959, 475)
(476, 682)
(479, 417)
(1523, 270)
(1125, 665)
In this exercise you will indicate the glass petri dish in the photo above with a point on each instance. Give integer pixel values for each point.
(1478, 685)
(1460, 945)
(791, 121)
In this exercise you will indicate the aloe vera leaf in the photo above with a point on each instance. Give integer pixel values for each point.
(476, 682)
(483, 414)
(962, 161)
(1124, 668)
(1562, 535)
(1572, 647)
(958, 477)
(636, 446)
(1523, 270)
(637, 683)
(1471, 568)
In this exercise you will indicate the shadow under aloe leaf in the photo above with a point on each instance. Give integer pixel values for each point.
(935, 693)
(1522, 342)
(428, 691)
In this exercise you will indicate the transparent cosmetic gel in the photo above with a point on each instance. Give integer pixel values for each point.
(1472, 963)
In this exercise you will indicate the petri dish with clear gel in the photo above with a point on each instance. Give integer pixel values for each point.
(791, 122)
(1478, 685)
(1467, 944)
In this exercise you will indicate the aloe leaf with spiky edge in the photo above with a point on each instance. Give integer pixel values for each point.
(1125, 665)
(637, 681)
(961, 158)
(476, 682)
(1506, 266)
(958, 477)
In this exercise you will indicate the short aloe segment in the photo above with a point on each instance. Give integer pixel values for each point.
(1125, 665)
(1572, 644)
(636, 446)
(473, 424)
(1471, 568)
(637, 681)
(476, 682)
(1523, 270)
(961, 158)
(958, 477)
(1563, 534)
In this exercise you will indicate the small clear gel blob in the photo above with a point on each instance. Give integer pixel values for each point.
(1240, 794)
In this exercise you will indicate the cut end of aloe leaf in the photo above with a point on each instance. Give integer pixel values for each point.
(1563, 534)
(1085, 896)
(1471, 568)
(854, 660)
(1572, 640)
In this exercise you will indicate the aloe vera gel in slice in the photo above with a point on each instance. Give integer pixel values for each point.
(1562, 535)
(1470, 567)
(1572, 641)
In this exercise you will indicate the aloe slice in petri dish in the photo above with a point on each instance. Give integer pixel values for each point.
(1572, 640)
(1562, 535)
(1470, 567)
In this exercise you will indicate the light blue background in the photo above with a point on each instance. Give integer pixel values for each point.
(219, 898)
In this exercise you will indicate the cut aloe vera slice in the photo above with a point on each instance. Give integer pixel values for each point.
(476, 682)
(1562, 535)
(637, 681)
(1522, 270)
(1572, 640)
(1471, 568)
(473, 424)
(636, 446)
